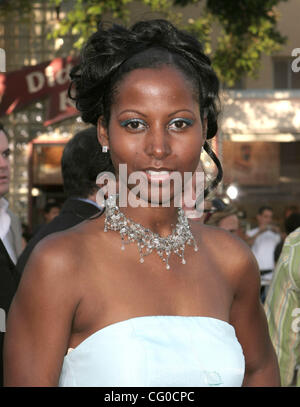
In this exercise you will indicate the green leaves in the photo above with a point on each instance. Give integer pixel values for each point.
(85, 16)
(246, 29)
(202, 29)
(20, 8)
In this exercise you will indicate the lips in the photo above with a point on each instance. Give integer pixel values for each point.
(3, 179)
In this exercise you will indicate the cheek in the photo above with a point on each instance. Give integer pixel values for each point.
(124, 149)
(190, 152)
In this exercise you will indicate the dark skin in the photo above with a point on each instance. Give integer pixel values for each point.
(70, 289)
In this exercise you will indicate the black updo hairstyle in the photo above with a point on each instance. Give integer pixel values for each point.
(111, 53)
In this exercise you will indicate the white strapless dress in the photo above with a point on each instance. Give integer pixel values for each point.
(152, 351)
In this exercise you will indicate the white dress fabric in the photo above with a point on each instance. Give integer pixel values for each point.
(154, 351)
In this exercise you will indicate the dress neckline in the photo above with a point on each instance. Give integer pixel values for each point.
(144, 317)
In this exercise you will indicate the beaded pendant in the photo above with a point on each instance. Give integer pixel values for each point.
(146, 240)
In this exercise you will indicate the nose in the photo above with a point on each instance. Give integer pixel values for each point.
(158, 143)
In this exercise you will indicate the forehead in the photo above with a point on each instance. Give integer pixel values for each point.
(165, 81)
(267, 212)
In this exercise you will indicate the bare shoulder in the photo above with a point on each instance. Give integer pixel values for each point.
(230, 253)
(223, 244)
(57, 258)
(53, 251)
(45, 306)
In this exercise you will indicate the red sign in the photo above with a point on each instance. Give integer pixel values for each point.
(46, 80)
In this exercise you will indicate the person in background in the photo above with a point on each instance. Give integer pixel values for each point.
(9, 280)
(226, 219)
(50, 211)
(81, 162)
(26, 235)
(263, 240)
(292, 222)
(282, 307)
(289, 210)
(10, 225)
(10, 243)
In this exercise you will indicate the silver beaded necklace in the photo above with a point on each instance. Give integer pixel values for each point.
(146, 240)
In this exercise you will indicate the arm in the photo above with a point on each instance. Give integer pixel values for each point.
(251, 239)
(40, 317)
(16, 229)
(248, 318)
(282, 310)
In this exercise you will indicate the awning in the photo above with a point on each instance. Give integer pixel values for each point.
(261, 115)
(279, 138)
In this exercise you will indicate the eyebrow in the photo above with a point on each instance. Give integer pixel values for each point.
(132, 111)
(181, 110)
(142, 114)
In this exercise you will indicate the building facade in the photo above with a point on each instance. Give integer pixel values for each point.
(36, 148)
(258, 143)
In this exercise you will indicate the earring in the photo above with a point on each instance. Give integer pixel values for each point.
(104, 149)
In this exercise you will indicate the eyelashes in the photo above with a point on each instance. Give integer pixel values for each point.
(176, 124)
(6, 153)
(133, 123)
(184, 121)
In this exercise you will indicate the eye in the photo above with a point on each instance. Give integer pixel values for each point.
(180, 123)
(6, 153)
(134, 124)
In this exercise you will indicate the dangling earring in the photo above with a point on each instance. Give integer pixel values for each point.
(104, 149)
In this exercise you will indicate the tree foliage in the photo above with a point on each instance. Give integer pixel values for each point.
(21, 7)
(246, 28)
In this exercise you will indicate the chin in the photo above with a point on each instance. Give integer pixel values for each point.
(164, 197)
(3, 191)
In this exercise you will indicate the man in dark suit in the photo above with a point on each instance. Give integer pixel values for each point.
(10, 225)
(10, 243)
(82, 161)
(9, 279)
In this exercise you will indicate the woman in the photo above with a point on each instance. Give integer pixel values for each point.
(226, 219)
(88, 313)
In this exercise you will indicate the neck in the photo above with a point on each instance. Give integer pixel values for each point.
(174, 235)
(92, 197)
(159, 220)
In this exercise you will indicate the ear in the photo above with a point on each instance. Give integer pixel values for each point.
(102, 132)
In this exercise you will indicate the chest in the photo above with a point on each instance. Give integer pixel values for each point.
(119, 287)
(266, 241)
